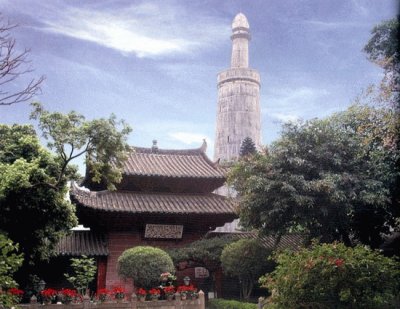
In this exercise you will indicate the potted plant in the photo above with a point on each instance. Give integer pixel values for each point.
(68, 295)
(187, 291)
(16, 293)
(48, 295)
(102, 295)
(119, 293)
(141, 294)
(169, 292)
(154, 294)
(167, 279)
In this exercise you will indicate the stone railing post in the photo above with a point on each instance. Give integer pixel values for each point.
(86, 301)
(134, 301)
(260, 303)
(33, 304)
(202, 300)
(178, 301)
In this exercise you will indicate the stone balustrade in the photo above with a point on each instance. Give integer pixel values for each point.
(134, 303)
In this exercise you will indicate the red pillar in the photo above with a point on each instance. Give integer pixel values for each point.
(101, 272)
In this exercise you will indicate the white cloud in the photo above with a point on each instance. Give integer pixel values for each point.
(285, 104)
(144, 29)
(326, 25)
(188, 138)
(284, 117)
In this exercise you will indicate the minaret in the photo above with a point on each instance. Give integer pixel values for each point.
(238, 114)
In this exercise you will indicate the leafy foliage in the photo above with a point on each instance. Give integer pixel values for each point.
(383, 49)
(333, 276)
(330, 178)
(33, 208)
(10, 261)
(247, 260)
(206, 251)
(72, 136)
(144, 264)
(84, 272)
(247, 147)
(221, 303)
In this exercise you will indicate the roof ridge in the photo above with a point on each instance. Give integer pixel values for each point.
(190, 151)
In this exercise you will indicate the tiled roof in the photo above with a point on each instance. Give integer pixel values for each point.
(192, 163)
(163, 203)
(82, 242)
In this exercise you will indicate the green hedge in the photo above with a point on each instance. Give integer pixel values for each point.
(229, 304)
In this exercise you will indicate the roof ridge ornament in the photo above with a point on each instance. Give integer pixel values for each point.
(203, 147)
(154, 148)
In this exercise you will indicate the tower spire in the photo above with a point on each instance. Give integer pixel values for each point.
(240, 42)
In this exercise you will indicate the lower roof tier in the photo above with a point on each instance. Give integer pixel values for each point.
(153, 203)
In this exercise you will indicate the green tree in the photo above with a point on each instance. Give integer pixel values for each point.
(383, 50)
(247, 147)
(333, 276)
(330, 178)
(33, 210)
(206, 251)
(247, 260)
(10, 262)
(144, 264)
(83, 273)
(101, 140)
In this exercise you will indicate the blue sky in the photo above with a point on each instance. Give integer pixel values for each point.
(154, 63)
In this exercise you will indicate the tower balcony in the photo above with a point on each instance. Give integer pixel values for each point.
(238, 74)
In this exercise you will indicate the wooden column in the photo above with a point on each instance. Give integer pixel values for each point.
(101, 272)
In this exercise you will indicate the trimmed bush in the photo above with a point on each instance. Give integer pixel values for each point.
(229, 304)
(333, 276)
(144, 264)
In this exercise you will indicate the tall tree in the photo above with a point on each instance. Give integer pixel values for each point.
(330, 178)
(383, 49)
(15, 66)
(102, 141)
(33, 210)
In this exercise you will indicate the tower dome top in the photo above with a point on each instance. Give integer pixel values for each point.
(240, 21)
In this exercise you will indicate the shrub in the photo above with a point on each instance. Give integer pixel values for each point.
(229, 304)
(84, 272)
(144, 265)
(333, 275)
(247, 260)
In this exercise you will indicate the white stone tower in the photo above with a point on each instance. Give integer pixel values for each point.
(238, 114)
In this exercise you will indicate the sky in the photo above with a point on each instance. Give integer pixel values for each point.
(154, 63)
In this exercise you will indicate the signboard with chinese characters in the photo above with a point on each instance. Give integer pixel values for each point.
(201, 272)
(163, 231)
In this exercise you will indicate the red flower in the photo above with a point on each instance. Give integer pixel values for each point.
(154, 292)
(118, 289)
(186, 289)
(102, 294)
(16, 292)
(141, 292)
(68, 295)
(119, 292)
(169, 290)
(339, 262)
(48, 294)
